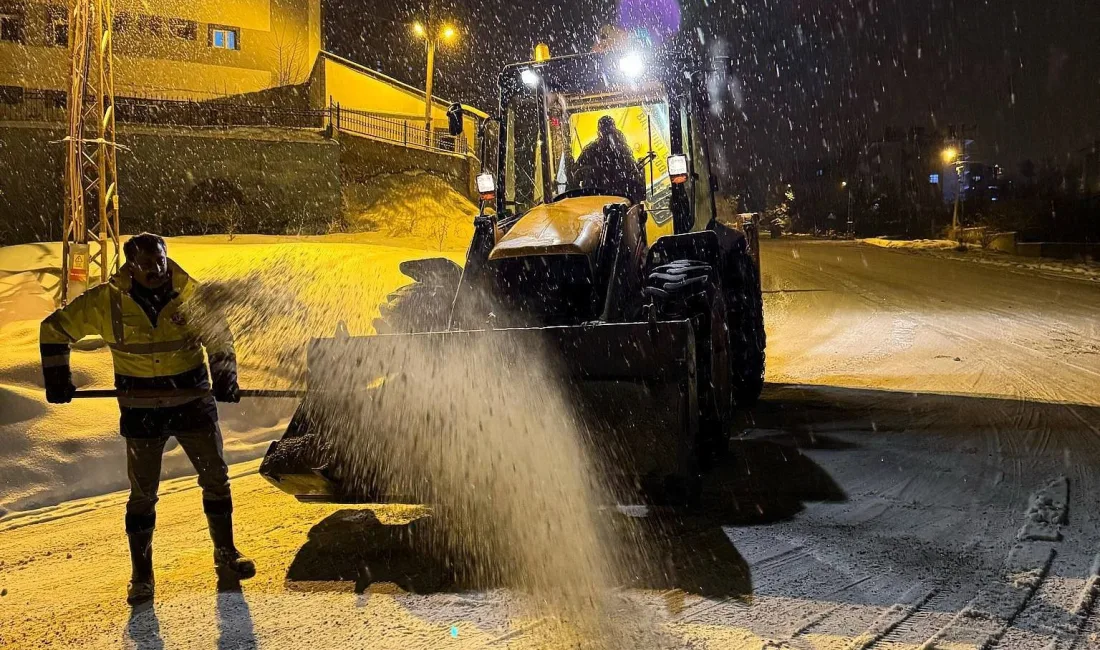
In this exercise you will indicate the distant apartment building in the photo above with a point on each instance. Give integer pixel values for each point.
(169, 49)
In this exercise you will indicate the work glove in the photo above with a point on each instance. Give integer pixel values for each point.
(223, 371)
(226, 388)
(59, 386)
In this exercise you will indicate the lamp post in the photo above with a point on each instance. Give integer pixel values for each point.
(848, 190)
(432, 34)
(951, 155)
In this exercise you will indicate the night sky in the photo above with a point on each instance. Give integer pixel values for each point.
(818, 75)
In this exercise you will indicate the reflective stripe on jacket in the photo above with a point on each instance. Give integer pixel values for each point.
(165, 356)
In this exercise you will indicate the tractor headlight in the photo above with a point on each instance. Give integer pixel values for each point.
(632, 65)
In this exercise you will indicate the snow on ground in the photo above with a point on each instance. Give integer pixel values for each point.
(280, 290)
(947, 249)
(918, 413)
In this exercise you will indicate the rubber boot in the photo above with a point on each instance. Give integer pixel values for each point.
(141, 562)
(226, 556)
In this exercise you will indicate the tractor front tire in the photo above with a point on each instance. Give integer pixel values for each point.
(691, 289)
(747, 337)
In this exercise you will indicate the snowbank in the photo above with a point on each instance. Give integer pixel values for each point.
(412, 206)
(278, 292)
(947, 249)
(912, 244)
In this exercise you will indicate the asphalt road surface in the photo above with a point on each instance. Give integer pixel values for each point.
(921, 472)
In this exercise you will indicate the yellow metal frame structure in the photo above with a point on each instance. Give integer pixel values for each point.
(90, 234)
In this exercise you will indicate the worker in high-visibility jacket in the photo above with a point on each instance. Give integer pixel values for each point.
(156, 327)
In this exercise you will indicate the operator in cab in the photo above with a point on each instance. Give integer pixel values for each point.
(607, 164)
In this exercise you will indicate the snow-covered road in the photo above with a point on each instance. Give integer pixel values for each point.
(921, 472)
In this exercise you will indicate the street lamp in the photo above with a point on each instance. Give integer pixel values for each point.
(432, 34)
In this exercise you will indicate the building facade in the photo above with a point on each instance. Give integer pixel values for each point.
(167, 49)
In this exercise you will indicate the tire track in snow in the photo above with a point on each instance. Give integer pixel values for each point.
(1087, 634)
(895, 624)
(987, 617)
(1066, 623)
(790, 565)
(797, 585)
(984, 620)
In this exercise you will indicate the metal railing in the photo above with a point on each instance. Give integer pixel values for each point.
(404, 132)
(49, 106)
(32, 106)
(215, 113)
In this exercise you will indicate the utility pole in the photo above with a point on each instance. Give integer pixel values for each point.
(957, 154)
(851, 225)
(91, 175)
(428, 88)
(432, 31)
(958, 196)
(848, 190)
(431, 40)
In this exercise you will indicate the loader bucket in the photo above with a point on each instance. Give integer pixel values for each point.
(633, 385)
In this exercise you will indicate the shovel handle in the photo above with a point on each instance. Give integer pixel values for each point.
(185, 392)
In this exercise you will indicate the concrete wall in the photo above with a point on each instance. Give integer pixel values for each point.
(355, 87)
(179, 181)
(279, 42)
(352, 87)
(362, 159)
(1059, 250)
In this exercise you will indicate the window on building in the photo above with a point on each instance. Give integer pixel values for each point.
(183, 29)
(57, 27)
(934, 179)
(225, 38)
(12, 25)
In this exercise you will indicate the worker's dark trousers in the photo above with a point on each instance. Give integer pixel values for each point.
(143, 459)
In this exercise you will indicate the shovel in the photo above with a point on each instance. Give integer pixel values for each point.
(185, 392)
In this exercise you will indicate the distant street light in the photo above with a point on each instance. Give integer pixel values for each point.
(432, 33)
(950, 154)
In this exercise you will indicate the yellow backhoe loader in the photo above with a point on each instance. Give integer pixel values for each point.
(601, 239)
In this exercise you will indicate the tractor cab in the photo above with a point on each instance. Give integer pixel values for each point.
(597, 155)
(629, 124)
